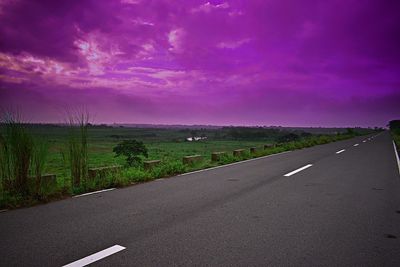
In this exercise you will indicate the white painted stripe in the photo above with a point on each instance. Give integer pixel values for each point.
(160, 179)
(341, 151)
(96, 256)
(95, 192)
(356, 144)
(230, 164)
(298, 170)
(397, 155)
(364, 141)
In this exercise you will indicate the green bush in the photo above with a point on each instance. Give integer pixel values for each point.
(132, 150)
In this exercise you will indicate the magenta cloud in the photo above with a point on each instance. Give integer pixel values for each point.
(311, 63)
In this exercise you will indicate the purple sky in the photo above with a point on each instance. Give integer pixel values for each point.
(266, 62)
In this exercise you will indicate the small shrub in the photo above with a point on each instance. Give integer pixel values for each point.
(288, 138)
(132, 150)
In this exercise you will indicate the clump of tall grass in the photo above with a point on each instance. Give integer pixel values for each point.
(104, 179)
(133, 175)
(169, 168)
(227, 159)
(15, 155)
(38, 162)
(77, 147)
(21, 156)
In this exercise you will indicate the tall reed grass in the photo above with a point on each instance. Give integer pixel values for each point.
(38, 163)
(15, 153)
(77, 155)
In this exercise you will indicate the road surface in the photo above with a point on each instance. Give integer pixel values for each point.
(330, 205)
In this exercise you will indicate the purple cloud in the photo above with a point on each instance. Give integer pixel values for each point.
(220, 62)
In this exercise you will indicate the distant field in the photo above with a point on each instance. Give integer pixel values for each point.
(161, 143)
(166, 144)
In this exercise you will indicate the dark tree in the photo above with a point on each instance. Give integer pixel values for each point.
(288, 138)
(350, 131)
(305, 134)
(394, 124)
(132, 150)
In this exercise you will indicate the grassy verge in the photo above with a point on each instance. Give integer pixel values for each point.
(394, 126)
(72, 173)
(396, 137)
(173, 167)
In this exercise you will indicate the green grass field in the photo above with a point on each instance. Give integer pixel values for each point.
(163, 144)
(167, 145)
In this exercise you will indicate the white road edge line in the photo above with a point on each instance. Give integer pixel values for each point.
(95, 192)
(341, 151)
(96, 256)
(397, 156)
(356, 145)
(298, 170)
(230, 164)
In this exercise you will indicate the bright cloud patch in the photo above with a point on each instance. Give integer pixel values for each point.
(208, 7)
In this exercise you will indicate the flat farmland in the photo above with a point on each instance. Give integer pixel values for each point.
(163, 144)
(169, 145)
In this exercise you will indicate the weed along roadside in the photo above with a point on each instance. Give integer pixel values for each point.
(34, 178)
(44, 183)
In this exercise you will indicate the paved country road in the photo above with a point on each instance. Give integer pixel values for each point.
(330, 205)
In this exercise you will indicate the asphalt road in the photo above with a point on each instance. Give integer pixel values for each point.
(343, 210)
